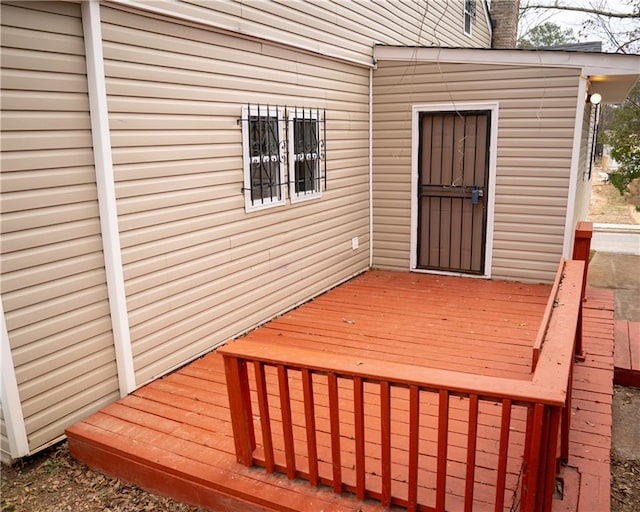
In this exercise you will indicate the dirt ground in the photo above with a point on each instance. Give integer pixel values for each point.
(625, 485)
(607, 206)
(52, 481)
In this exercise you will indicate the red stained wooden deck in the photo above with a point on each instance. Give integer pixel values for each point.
(174, 435)
(627, 353)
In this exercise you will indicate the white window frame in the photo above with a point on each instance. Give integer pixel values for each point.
(316, 192)
(468, 8)
(278, 114)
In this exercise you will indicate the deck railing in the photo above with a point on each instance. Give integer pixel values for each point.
(352, 387)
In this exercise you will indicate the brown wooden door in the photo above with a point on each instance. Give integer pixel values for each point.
(453, 174)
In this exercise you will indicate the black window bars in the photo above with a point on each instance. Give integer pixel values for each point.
(266, 154)
(308, 150)
(271, 130)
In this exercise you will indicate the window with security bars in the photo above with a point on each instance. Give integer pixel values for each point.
(263, 148)
(306, 151)
(469, 15)
(278, 138)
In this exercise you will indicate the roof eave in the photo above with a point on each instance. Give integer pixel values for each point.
(611, 74)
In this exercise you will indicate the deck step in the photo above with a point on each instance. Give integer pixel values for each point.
(626, 357)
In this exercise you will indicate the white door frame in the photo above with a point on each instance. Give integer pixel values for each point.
(493, 147)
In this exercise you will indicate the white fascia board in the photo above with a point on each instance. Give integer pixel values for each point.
(591, 63)
(105, 184)
(11, 405)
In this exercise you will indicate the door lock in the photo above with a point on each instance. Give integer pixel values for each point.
(476, 194)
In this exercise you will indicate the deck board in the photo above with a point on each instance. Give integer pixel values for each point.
(174, 435)
(474, 326)
(589, 465)
(627, 353)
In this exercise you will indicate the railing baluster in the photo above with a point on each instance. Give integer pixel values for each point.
(545, 447)
(534, 436)
(385, 424)
(310, 423)
(358, 410)
(287, 425)
(524, 483)
(502, 454)
(566, 421)
(334, 420)
(414, 442)
(551, 452)
(443, 432)
(265, 422)
(240, 408)
(472, 440)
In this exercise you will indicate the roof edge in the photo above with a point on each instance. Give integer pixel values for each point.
(591, 63)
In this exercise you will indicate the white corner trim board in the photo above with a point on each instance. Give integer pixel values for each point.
(107, 195)
(11, 406)
(574, 171)
(370, 167)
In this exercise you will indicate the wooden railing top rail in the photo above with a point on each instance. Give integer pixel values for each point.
(547, 386)
(544, 324)
(555, 360)
(403, 374)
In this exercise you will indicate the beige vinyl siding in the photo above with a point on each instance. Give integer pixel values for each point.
(198, 268)
(338, 28)
(535, 134)
(53, 279)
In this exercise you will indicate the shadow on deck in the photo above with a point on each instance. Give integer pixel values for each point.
(174, 436)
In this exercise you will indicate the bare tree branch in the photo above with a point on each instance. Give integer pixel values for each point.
(622, 47)
(588, 10)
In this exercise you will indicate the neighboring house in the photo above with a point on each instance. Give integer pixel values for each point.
(175, 174)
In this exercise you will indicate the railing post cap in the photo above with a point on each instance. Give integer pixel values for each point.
(584, 229)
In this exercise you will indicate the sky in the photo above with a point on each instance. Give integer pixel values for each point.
(575, 20)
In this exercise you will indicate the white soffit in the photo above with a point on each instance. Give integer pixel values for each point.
(613, 88)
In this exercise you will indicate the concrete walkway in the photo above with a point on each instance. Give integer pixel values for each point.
(620, 272)
(617, 238)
